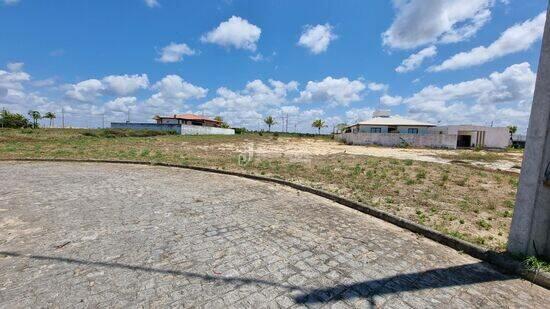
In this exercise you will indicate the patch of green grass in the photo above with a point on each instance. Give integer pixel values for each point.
(456, 234)
(408, 162)
(484, 224)
(421, 174)
(509, 203)
(535, 264)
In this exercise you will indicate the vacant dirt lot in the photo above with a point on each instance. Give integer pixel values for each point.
(307, 148)
(422, 185)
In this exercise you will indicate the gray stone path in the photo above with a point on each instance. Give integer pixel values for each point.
(106, 235)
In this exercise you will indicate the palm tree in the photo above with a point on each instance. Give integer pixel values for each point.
(512, 130)
(35, 115)
(51, 116)
(318, 124)
(269, 121)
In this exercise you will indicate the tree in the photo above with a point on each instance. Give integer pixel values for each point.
(512, 130)
(269, 121)
(35, 115)
(319, 124)
(51, 116)
(11, 120)
(223, 124)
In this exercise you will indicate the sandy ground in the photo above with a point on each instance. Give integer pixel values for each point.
(306, 149)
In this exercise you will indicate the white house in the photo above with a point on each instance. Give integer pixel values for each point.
(386, 130)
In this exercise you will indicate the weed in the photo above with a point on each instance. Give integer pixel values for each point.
(484, 224)
(509, 203)
(421, 174)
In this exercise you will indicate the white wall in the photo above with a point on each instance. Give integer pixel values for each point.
(202, 130)
(495, 137)
(394, 139)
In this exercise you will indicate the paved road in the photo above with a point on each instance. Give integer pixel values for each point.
(106, 235)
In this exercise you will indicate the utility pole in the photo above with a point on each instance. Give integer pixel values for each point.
(63, 118)
(128, 120)
(103, 120)
(531, 220)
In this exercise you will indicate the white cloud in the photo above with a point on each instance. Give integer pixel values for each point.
(15, 66)
(152, 3)
(257, 58)
(415, 60)
(235, 32)
(355, 115)
(85, 91)
(336, 91)
(504, 97)
(391, 100)
(121, 105)
(378, 87)
(317, 38)
(174, 52)
(126, 84)
(514, 39)
(245, 107)
(421, 22)
(173, 90)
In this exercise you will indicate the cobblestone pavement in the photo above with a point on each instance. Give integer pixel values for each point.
(108, 235)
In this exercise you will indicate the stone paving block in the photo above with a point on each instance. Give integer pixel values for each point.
(150, 237)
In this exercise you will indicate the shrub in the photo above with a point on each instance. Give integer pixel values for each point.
(13, 120)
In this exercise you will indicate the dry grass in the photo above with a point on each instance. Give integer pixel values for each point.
(461, 201)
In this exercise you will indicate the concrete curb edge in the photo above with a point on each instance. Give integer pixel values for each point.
(503, 262)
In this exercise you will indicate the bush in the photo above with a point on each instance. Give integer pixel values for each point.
(114, 133)
(13, 120)
(240, 130)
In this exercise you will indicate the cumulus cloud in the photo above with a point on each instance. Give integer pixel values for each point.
(15, 66)
(336, 91)
(123, 85)
(11, 86)
(317, 38)
(174, 52)
(355, 115)
(85, 91)
(172, 89)
(152, 3)
(514, 39)
(378, 87)
(421, 22)
(120, 85)
(121, 105)
(246, 107)
(236, 32)
(504, 97)
(415, 60)
(391, 100)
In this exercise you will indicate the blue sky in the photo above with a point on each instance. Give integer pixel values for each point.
(444, 61)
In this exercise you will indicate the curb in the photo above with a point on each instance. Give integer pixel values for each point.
(502, 261)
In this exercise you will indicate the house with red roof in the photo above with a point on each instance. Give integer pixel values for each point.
(188, 119)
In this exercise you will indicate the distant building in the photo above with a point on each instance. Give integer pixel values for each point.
(188, 119)
(386, 130)
(185, 124)
(382, 122)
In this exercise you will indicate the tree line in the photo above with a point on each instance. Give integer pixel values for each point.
(16, 120)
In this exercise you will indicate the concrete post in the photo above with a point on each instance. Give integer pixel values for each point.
(530, 231)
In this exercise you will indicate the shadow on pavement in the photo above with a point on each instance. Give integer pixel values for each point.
(234, 280)
(430, 279)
